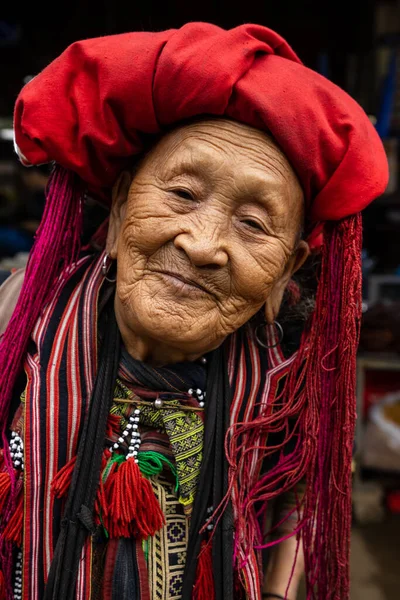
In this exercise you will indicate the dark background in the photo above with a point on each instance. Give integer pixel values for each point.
(43, 30)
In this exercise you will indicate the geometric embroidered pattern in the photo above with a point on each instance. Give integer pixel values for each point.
(166, 550)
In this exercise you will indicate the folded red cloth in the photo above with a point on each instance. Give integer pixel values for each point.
(88, 108)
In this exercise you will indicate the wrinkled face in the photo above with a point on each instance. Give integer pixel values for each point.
(206, 234)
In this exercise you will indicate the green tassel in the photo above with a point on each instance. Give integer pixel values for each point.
(115, 458)
(152, 463)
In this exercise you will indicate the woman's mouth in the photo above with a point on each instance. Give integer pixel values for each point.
(181, 282)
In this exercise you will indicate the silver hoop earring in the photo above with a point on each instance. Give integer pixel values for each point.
(261, 342)
(105, 267)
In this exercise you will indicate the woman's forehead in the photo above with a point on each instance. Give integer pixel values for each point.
(218, 143)
(220, 135)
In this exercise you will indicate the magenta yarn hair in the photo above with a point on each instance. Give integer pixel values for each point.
(56, 246)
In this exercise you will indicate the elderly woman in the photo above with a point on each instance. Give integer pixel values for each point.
(151, 409)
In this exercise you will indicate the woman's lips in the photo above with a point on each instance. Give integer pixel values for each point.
(179, 279)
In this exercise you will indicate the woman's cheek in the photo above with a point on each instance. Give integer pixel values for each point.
(256, 277)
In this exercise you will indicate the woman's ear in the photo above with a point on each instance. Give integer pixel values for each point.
(118, 208)
(274, 300)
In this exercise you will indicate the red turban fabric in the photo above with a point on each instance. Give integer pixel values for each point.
(88, 109)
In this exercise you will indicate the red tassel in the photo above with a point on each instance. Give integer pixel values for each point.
(62, 481)
(13, 530)
(5, 485)
(133, 509)
(113, 426)
(2, 587)
(100, 504)
(204, 586)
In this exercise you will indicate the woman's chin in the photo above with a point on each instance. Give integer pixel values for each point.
(193, 334)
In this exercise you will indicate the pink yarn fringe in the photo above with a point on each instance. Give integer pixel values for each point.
(319, 401)
(57, 245)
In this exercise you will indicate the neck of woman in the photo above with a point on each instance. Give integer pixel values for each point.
(151, 351)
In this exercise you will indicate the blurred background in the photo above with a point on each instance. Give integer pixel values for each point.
(356, 44)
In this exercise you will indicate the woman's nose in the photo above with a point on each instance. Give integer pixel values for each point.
(204, 247)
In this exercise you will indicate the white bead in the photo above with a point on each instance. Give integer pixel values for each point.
(125, 433)
(136, 411)
(203, 360)
(121, 440)
(134, 426)
(198, 391)
(129, 426)
(158, 403)
(12, 454)
(137, 419)
(134, 453)
(13, 434)
(111, 448)
(210, 527)
(190, 391)
(14, 446)
(115, 446)
(17, 463)
(131, 418)
(201, 404)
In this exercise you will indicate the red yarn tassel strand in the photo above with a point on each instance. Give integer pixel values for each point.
(13, 531)
(5, 486)
(2, 587)
(62, 481)
(204, 585)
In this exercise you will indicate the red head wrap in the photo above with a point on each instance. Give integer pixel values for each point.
(88, 109)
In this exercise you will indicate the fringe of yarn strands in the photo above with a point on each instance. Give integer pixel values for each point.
(336, 325)
(204, 584)
(317, 406)
(56, 246)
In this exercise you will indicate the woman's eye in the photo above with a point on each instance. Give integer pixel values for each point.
(184, 194)
(253, 224)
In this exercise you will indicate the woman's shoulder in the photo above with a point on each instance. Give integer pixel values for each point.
(10, 288)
